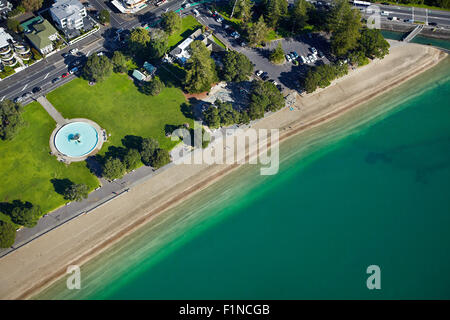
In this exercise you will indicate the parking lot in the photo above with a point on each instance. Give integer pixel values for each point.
(287, 74)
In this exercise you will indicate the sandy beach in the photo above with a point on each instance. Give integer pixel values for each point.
(33, 267)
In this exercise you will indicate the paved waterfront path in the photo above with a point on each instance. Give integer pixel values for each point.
(51, 110)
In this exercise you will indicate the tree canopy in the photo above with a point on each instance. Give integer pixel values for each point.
(277, 55)
(97, 68)
(373, 44)
(265, 97)
(171, 22)
(159, 43)
(236, 66)
(76, 192)
(113, 168)
(153, 87)
(243, 9)
(345, 24)
(10, 119)
(32, 5)
(25, 214)
(138, 42)
(257, 32)
(119, 62)
(274, 11)
(7, 234)
(201, 69)
(298, 16)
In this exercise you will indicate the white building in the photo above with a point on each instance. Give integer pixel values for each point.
(129, 6)
(68, 14)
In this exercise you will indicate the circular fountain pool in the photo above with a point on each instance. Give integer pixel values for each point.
(76, 139)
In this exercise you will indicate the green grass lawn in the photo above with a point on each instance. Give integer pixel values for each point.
(26, 167)
(117, 106)
(189, 25)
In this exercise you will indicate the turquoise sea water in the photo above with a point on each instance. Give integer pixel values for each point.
(371, 187)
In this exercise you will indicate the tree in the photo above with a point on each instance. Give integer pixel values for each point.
(227, 114)
(159, 43)
(243, 9)
(201, 69)
(373, 44)
(265, 97)
(345, 24)
(277, 55)
(148, 147)
(257, 32)
(25, 214)
(236, 66)
(274, 11)
(13, 25)
(97, 68)
(298, 15)
(138, 42)
(153, 87)
(10, 119)
(104, 16)
(132, 159)
(32, 5)
(211, 117)
(76, 192)
(322, 76)
(171, 22)
(161, 157)
(119, 62)
(113, 168)
(7, 234)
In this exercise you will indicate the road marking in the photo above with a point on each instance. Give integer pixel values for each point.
(46, 75)
(3, 98)
(25, 87)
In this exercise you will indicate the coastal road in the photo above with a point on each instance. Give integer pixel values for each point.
(43, 72)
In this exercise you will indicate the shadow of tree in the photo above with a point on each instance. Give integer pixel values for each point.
(132, 142)
(60, 185)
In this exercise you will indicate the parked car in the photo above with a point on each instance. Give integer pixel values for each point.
(243, 43)
(26, 95)
(73, 51)
(259, 73)
(18, 99)
(304, 59)
(265, 76)
(295, 54)
(65, 75)
(321, 55)
(288, 58)
(219, 19)
(274, 82)
(73, 70)
(235, 35)
(36, 89)
(196, 13)
(55, 80)
(186, 5)
(313, 50)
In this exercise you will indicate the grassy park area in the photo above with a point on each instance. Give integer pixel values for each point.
(27, 168)
(189, 25)
(117, 106)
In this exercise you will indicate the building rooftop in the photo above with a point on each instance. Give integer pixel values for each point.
(41, 33)
(65, 9)
(5, 37)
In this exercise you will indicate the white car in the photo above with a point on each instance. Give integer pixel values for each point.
(259, 73)
(313, 50)
(195, 11)
(73, 51)
(303, 59)
(288, 57)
